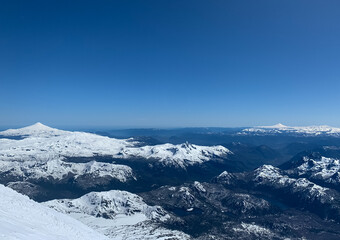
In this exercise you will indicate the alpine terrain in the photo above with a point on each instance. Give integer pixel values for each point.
(82, 185)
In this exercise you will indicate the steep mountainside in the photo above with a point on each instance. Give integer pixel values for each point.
(315, 166)
(24, 219)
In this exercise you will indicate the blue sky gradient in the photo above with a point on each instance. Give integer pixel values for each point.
(169, 63)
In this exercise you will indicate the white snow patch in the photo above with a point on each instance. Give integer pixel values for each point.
(254, 229)
(199, 187)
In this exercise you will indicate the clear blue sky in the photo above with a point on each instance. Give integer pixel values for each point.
(170, 63)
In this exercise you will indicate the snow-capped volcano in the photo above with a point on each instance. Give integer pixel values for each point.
(41, 151)
(282, 129)
(37, 129)
(45, 143)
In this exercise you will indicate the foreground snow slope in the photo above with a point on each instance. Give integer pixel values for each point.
(41, 143)
(118, 214)
(282, 129)
(24, 219)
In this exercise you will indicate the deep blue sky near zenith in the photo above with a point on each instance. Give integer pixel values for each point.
(170, 63)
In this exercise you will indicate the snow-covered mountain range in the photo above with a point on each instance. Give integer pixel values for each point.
(40, 153)
(180, 191)
(321, 169)
(43, 143)
(302, 131)
(275, 178)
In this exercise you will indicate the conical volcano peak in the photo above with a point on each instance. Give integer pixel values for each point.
(279, 125)
(38, 126)
(37, 129)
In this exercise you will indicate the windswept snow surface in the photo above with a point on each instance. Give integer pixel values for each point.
(118, 215)
(282, 129)
(40, 143)
(24, 219)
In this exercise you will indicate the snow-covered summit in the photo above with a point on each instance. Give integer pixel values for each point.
(179, 155)
(114, 204)
(225, 177)
(270, 176)
(282, 129)
(37, 129)
(322, 169)
(279, 125)
(24, 219)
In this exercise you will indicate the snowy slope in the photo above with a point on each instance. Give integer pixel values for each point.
(57, 169)
(41, 152)
(112, 205)
(179, 155)
(322, 169)
(37, 129)
(24, 219)
(225, 177)
(270, 176)
(282, 129)
(118, 214)
(41, 144)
